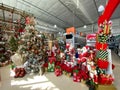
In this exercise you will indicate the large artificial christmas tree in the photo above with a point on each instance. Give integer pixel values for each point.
(32, 47)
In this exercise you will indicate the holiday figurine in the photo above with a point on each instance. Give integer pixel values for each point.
(91, 57)
(84, 52)
(93, 74)
(54, 48)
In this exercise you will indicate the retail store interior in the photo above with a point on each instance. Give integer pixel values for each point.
(59, 44)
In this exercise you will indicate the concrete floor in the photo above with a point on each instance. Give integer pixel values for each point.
(116, 71)
(49, 81)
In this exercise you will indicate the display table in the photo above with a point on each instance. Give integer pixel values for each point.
(105, 87)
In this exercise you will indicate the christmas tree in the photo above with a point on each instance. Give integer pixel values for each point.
(13, 43)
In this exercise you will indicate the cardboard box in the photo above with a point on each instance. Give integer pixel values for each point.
(105, 87)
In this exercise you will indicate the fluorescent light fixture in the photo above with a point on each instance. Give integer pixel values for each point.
(101, 8)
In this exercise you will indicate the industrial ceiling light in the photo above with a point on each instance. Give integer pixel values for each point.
(101, 8)
(55, 26)
(84, 26)
(59, 33)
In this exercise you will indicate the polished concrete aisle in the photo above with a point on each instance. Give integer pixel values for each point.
(36, 82)
(116, 71)
(49, 81)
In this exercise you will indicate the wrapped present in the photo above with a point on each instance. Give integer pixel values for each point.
(103, 64)
(51, 67)
(105, 79)
(58, 71)
(84, 75)
(102, 54)
(69, 69)
(75, 72)
(76, 78)
(17, 59)
(106, 29)
(101, 38)
(80, 75)
(101, 46)
(19, 72)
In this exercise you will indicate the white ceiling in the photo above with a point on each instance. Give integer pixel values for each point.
(63, 13)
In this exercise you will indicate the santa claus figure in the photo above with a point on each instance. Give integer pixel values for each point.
(84, 52)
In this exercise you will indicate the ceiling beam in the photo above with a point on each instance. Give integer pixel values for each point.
(47, 13)
(10, 22)
(96, 7)
(16, 11)
(82, 9)
(71, 11)
(3, 13)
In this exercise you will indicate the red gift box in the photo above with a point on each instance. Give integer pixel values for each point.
(58, 71)
(103, 64)
(102, 79)
(110, 80)
(101, 46)
(106, 29)
(105, 80)
(83, 75)
(76, 79)
(69, 69)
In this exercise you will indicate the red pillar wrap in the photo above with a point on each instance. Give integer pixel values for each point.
(109, 9)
